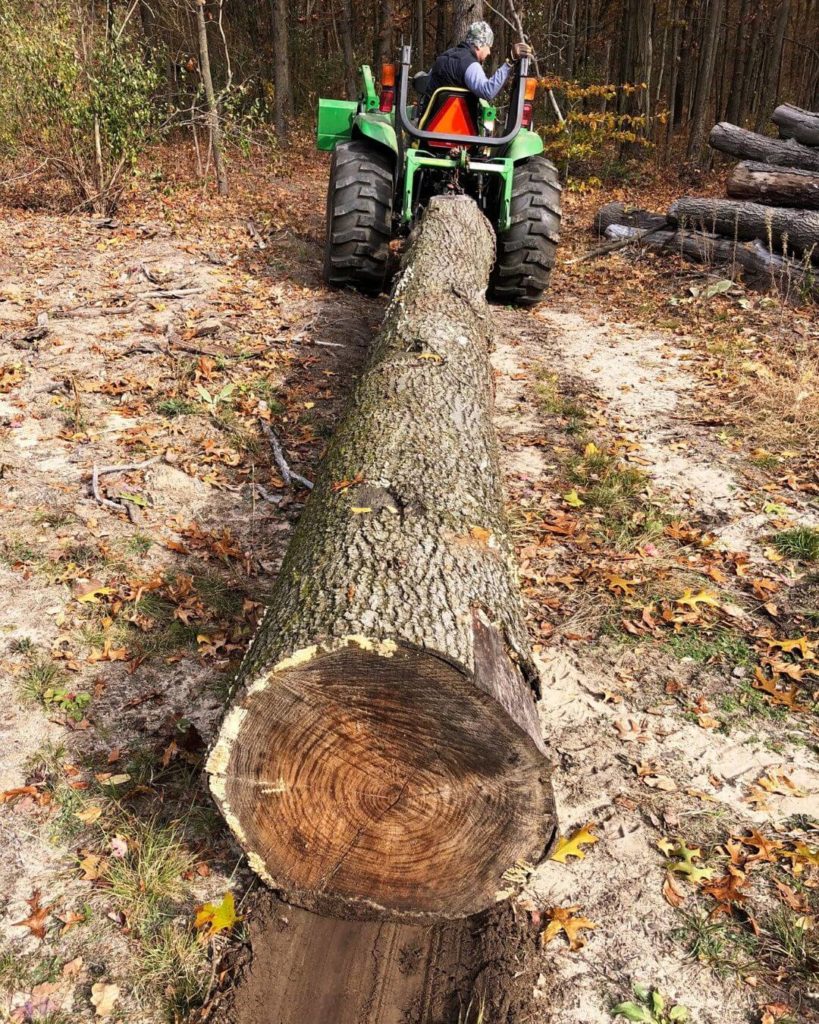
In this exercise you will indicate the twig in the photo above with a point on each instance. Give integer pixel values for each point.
(171, 293)
(253, 231)
(287, 473)
(519, 26)
(89, 312)
(274, 499)
(99, 471)
(618, 243)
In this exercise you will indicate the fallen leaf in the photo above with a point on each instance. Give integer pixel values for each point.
(89, 814)
(672, 893)
(562, 919)
(35, 922)
(358, 510)
(69, 920)
(573, 499)
(683, 863)
(72, 967)
(92, 866)
(630, 729)
(661, 782)
(691, 600)
(801, 644)
(89, 593)
(216, 917)
(571, 847)
(103, 997)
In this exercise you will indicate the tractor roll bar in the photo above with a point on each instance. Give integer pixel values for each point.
(518, 96)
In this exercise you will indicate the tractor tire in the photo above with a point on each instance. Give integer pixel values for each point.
(359, 218)
(526, 250)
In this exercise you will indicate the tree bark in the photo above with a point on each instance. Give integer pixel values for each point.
(384, 753)
(619, 213)
(283, 107)
(385, 33)
(466, 11)
(776, 186)
(762, 269)
(704, 82)
(795, 123)
(347, 46)
(784, 230)
(773, 62)
(214, 127)
(728, 138)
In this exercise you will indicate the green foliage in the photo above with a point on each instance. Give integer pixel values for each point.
(650, 1007)
(801, 542)
(77, 100)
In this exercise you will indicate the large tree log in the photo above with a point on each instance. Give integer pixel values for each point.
(776, 186)
(631, 216)
(786, 230)
(728, 138)
(762, 269)
(795, 123)
(384, 753)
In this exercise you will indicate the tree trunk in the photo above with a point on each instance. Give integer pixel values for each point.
(762, 269)
(705, 80)
(740, 45)
(213, 110)
(795, 123)
(418, 36)
(619, 213)
(466, 11)
(385, 31)
(728, 138)
(283, 109)
(347, 46)
(384, 753)
(773, 62)
(776, 186)
(784, 230)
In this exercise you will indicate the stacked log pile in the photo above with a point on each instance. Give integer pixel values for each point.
(768, 225)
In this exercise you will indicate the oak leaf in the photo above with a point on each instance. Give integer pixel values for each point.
(683, 862)
(216, 917)
(801, 644)
(571, 847)
(35, 922)
(562, 919)
(691, 600)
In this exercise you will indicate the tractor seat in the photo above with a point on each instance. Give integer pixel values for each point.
(450, 111)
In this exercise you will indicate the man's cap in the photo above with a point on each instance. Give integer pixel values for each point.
(480, 34)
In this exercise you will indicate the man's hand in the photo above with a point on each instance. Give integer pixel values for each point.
(519, 50)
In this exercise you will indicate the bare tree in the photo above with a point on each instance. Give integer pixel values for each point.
(210, 96)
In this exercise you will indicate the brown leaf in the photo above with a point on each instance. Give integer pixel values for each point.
(662, 782)
(35, 922)
(103, 997)
(562, 919)
(672, 893)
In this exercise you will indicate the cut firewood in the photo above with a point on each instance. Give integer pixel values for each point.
(383, 754)
(762, 268)
(776, 186)
(787, 230)
(739, 142)
(619, 213)
(795, 123)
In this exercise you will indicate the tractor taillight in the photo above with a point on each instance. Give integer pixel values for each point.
(528, 102)
(387, 88)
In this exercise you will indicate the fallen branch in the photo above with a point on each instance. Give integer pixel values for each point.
(287, 473)
(99, 471)
(90, 312)
(638, 234)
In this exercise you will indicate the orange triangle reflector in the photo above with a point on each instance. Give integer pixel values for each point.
(453, 118)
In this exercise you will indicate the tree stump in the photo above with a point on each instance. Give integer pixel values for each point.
(383, 754)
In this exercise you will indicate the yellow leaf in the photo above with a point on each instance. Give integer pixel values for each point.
(802, 644)
(216, 917)
(616, 583)
(480, 534)
(573, 499)
(91, 592)
(590, 449)
(358, 510)
(703, 597)
(431, 355)
(571, 847)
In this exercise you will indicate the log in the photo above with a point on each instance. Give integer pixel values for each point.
(785, 230)
(739, 142)
(383, 755)
(795, 123)
(762, 269)
(776, 186)
(619, 213)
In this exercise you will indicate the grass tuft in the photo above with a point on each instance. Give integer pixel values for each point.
(801, 543)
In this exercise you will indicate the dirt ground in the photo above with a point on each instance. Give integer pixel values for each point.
(659, 442)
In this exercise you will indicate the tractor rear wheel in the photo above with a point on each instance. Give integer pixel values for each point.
(526, 250)
(359, 216)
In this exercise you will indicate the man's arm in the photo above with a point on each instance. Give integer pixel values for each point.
(486, 88)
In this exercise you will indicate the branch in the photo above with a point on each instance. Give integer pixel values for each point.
(287, 473)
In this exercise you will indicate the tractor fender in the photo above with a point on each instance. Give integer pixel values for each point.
(524, 145)
(372, 127)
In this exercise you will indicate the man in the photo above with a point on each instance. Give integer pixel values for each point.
(460, 67)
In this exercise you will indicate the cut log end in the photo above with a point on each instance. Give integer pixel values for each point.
(365, 777)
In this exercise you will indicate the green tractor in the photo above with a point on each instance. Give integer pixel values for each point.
(389, 158)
